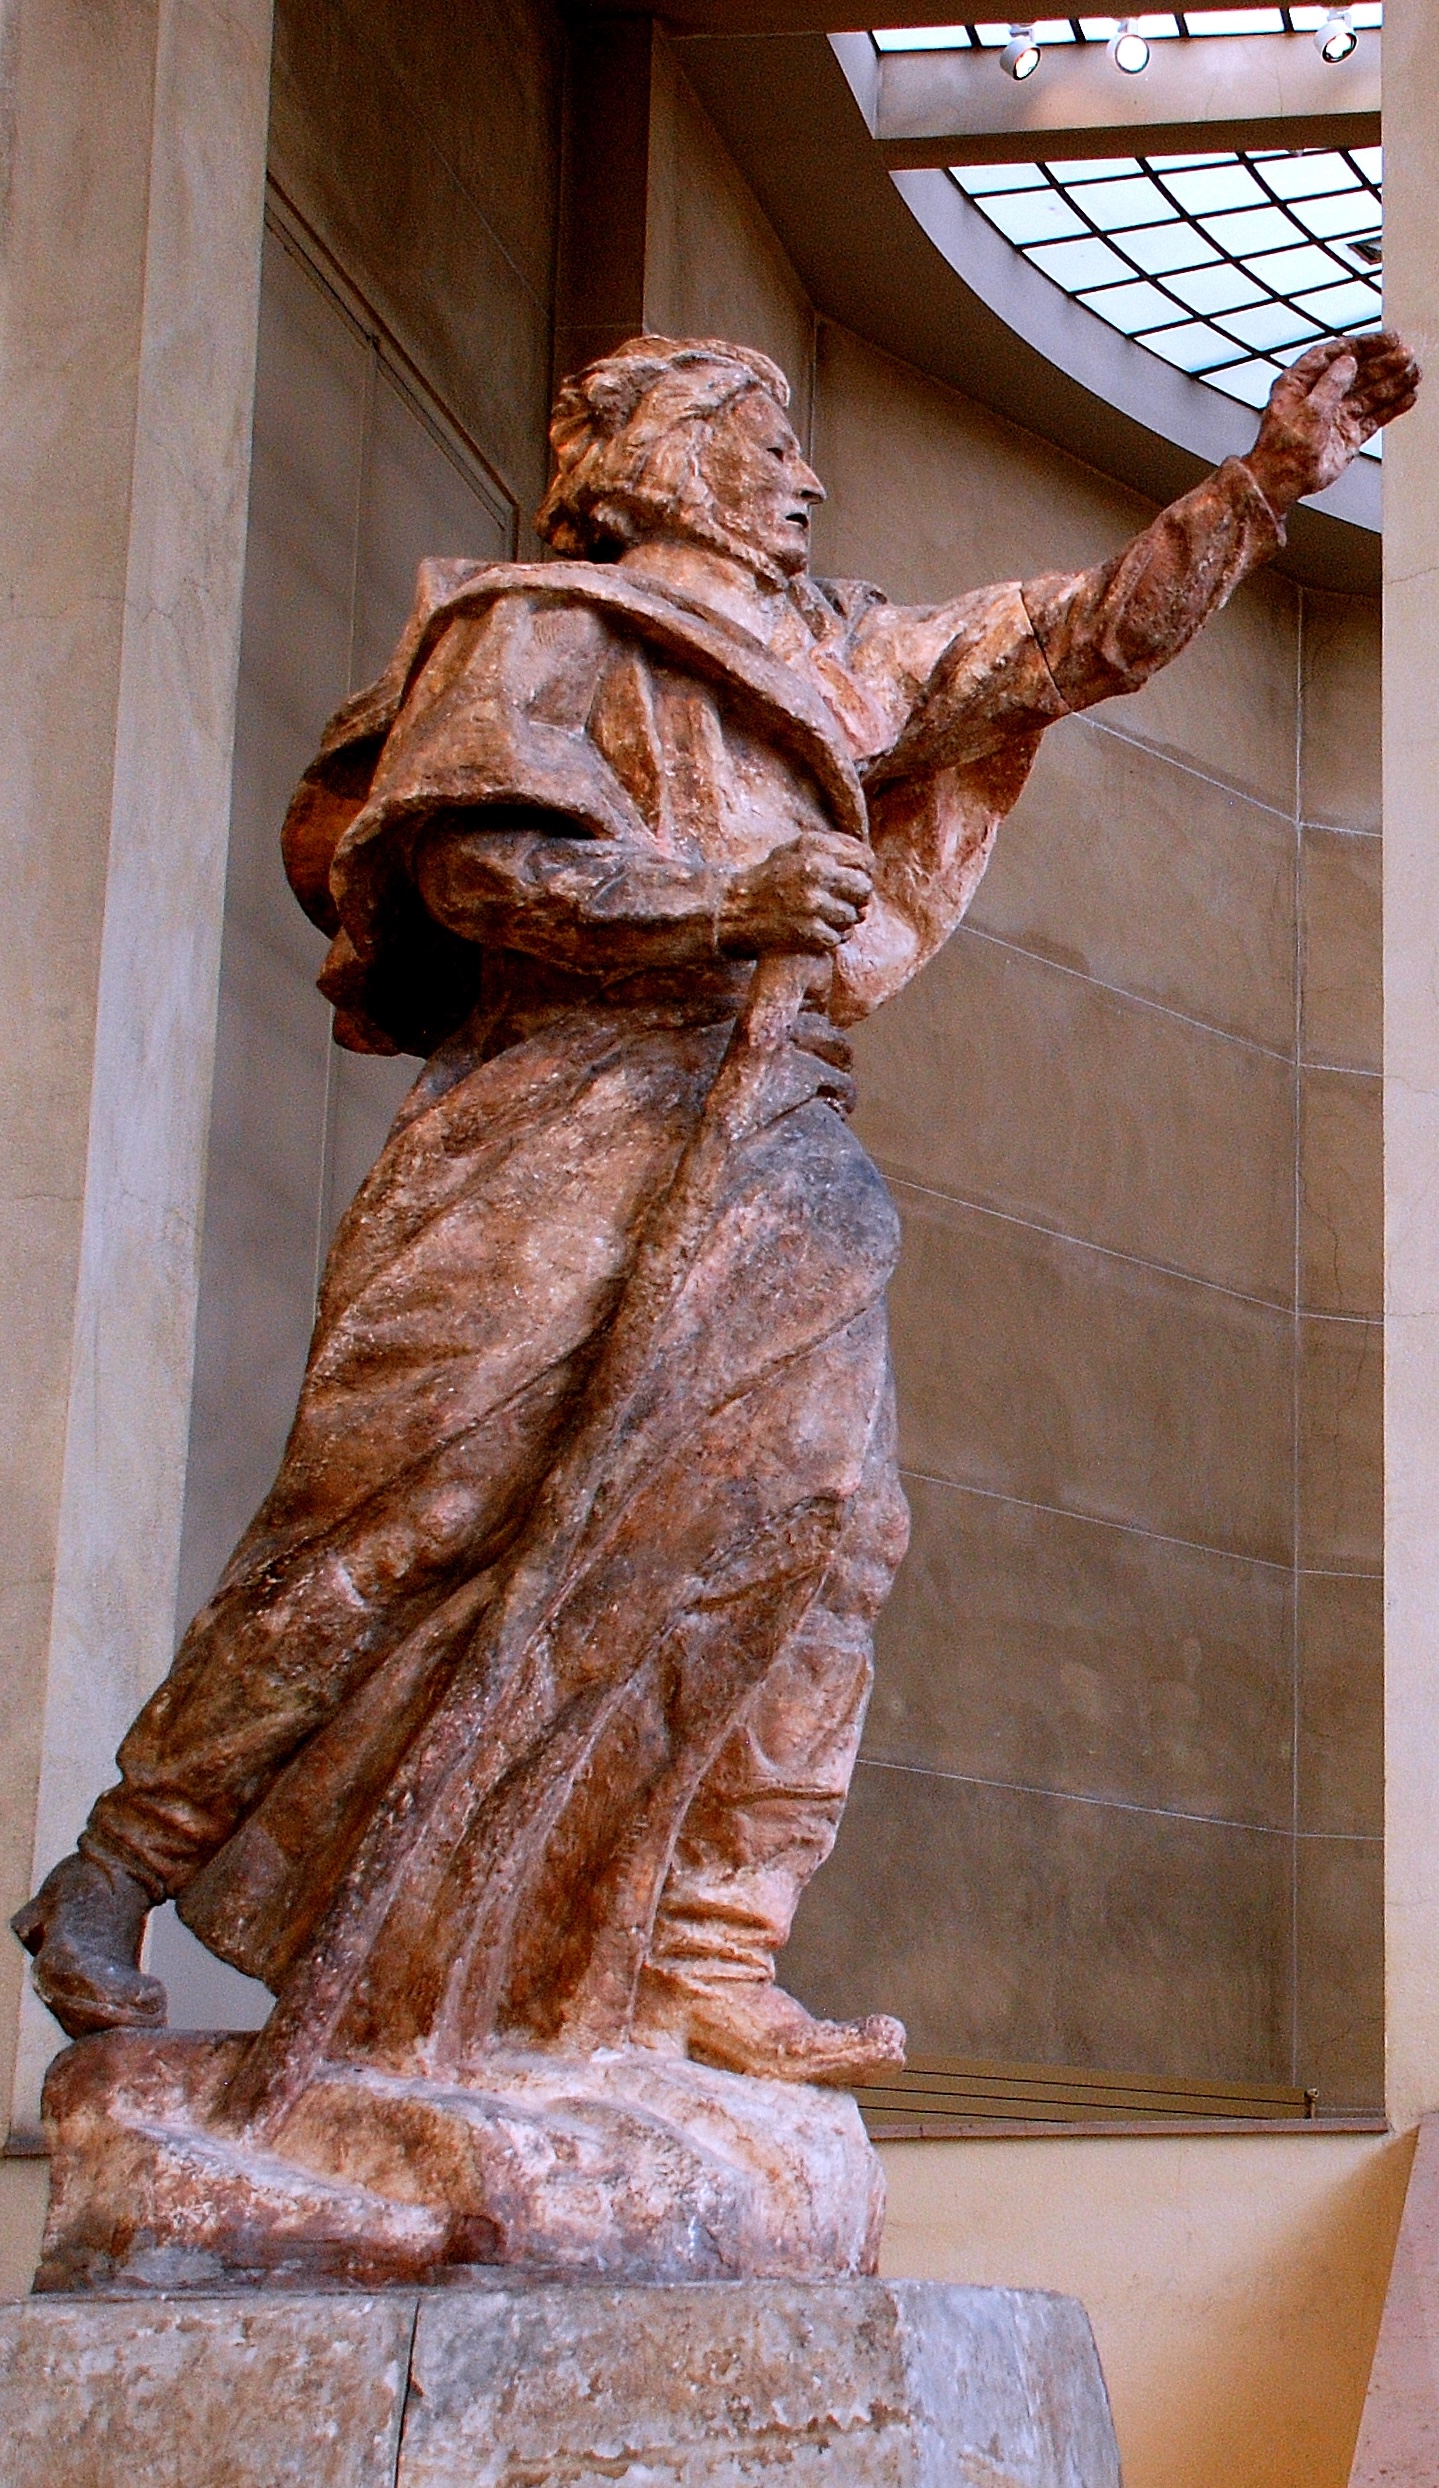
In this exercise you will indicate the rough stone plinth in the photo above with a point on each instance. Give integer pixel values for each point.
(628, 2165)
(844, 2384)
(216, 2393)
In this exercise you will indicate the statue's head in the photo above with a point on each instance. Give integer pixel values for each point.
(680, 438)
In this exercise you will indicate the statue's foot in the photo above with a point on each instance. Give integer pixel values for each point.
(84, 1927)
(752, 2026)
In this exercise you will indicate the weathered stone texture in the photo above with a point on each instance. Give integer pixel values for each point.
(219, 2393)
(626, 2165)
(862, 2384)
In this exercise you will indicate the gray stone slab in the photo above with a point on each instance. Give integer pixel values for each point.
(257, 2392)
(766, 2384)
(856, 2384)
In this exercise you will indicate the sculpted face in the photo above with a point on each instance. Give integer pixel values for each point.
(763, 490)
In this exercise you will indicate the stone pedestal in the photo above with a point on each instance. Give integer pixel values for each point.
(839, 2384)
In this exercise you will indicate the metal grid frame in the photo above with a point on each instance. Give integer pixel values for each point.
(1227, 293)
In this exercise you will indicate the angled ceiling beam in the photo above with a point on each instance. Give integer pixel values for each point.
(1215, 91)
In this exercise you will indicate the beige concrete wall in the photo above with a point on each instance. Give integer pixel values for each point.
(75, 248)
(1234, 2284)
(1411, 1102)
(135, 151)
(1339, 1725)
(422, 143)
(713, 267)
(1118, 1805)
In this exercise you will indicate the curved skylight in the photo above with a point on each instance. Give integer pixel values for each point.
(1228, 266)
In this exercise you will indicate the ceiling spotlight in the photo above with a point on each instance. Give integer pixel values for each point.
(1336, 39)
(1127, 50)
(1020, 57)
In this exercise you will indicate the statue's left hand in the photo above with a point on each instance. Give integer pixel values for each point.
(1324, 408)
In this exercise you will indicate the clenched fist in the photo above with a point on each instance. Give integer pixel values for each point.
(1324, 408)
(804, 897)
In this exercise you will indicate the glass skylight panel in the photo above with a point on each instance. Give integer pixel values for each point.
(1223, 286)
(1043, 29)
(1234, 21)
(1104, 29)
(1111, 205)
(1194, 347)
(977, 178)
(1254, 229)
(1304, 176)
(922, 38)
(1345, 306)
(1204, 261)
(1270, 325)
(1099, 168)
(1159, 248)
(1032, 215)
(1214, 187)
(1249, 382)
(1077, 265)
(1295, 272)
(1350, 212)
(1134, 307)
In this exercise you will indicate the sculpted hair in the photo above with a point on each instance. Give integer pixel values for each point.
(628, 434)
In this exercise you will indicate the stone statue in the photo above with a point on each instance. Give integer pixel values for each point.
(528, 1703)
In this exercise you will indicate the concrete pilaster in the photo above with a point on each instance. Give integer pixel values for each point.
(1411, 1053)
(135, 153)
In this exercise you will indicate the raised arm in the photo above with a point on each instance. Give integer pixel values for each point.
(972, 686)
(1108, 629)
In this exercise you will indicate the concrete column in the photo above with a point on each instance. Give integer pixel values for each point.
(133, 198)
(1411, 1129)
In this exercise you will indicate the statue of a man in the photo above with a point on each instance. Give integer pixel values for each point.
(528, 1703)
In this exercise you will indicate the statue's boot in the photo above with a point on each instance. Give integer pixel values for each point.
(752, 2026)
(85, 1927)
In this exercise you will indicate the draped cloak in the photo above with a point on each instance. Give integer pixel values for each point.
(586, 752)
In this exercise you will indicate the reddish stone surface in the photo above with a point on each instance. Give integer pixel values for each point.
(622, 2162)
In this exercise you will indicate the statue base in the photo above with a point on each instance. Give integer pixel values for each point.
(841, 2384)
(627, 2165)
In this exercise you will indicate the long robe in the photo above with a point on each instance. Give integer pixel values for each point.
(567, 760)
